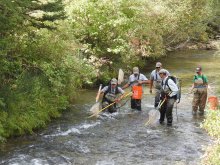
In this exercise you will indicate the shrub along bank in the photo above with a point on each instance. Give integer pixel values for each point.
(212, 125)
(46, 55)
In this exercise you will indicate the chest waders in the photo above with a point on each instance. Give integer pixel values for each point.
(200, 95)
(157, 82)
(109, 98)
(157, 89)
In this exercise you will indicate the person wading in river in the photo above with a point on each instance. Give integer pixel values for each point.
(136, 79)
(110, 95)
(199, 88)
(167, 85)
(155, 80)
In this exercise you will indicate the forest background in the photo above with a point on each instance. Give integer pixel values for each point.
(51, 48)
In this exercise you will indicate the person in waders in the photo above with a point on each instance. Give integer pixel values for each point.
(110, 96)
(168, 93)
(199, 88)
(136, 79)
(155, 80)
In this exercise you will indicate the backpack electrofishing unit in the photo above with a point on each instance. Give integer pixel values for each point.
(178, 84)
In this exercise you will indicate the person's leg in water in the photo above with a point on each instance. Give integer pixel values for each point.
(105, 104)
(169, 110)
(202, 101)
(162, 113)
(157, 97)
(112, 108)
(195, 103)
(136, 104)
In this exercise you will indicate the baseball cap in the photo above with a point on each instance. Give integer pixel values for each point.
(114, 81)
(158, 64)
(162, 71)
(135, 70)
(198, 69)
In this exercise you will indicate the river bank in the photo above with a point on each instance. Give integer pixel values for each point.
(190, 45)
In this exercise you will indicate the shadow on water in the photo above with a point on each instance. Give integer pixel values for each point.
(122, 137)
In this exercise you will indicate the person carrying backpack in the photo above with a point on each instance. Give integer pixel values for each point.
(110, 95)
(155, 80)
(199, 88)
(168, 93)
(136, 79)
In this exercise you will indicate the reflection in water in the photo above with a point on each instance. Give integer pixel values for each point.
(122, 138)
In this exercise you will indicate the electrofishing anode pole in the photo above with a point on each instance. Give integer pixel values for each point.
(110, 105)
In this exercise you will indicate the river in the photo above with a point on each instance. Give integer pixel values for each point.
(122, 138)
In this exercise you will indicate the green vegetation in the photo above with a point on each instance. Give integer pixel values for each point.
(212, 125)
(51, 48)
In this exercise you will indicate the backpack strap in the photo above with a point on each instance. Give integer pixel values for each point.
(166, 82)
(109, 89)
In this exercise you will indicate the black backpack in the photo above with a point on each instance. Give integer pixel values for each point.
(178, 84)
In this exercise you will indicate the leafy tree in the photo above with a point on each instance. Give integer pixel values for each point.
(18, 19)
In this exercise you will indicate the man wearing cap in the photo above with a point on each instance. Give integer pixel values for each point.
(155, 80)
(199, 87)
(168, 92)
(110, 95)
(136, 79)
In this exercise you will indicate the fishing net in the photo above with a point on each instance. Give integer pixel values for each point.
(95, 109)
(120, 76)
(154, 116)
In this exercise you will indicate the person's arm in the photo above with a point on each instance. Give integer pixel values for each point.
(151, 80)
(99, 93)
(151, 84)
(144, 82)
(193, 86)
(209, 87)
(191, 90)
(125, 86)
(122, 96)
(122, 92)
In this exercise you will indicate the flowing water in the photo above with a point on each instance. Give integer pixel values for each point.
(122, 138)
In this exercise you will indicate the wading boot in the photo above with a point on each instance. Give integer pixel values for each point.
(161, 121)
(169, 121)
(194, 113)
(201, 113)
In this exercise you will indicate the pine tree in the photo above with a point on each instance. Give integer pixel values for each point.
(16, 14)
